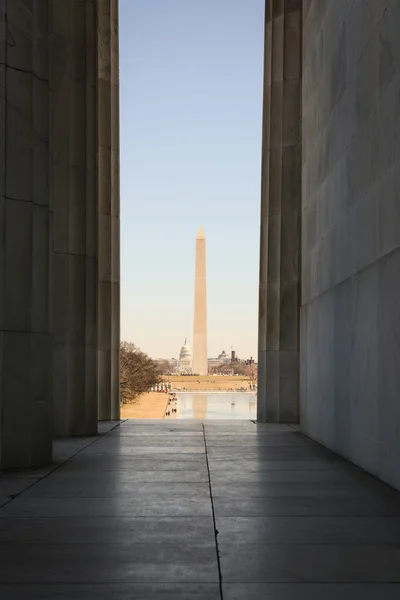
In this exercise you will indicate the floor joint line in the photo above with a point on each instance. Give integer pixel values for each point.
(60, 464)
(216, 532)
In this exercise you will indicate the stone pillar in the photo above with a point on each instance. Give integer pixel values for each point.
(25, 337)
(279, 292)
(73, 148)
(108, 189)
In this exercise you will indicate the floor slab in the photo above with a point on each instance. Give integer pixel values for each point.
(257, 440)
(139, 506)
(324, 489)
(303, 591)
(298, 476)
(159, 510)
(116, 489)
(305, 506)
(281, 453)
(193, 474)
(254, 563)
(259, 464)
(115, 530)
(11, 488)
(131, 464)
(109, 563)
(112, 591)
(308, 530)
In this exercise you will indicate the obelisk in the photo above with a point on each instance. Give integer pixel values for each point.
(200, 362)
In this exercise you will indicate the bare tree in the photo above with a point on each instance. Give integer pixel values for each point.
(252, 372)
(222, 368)
(138, 372)
(164, 367)
(237, 368)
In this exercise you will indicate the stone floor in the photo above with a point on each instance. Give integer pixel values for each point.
(198, 511)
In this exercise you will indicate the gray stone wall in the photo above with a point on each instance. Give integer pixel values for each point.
(350, 313)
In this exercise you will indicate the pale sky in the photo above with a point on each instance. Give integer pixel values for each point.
(191, 112)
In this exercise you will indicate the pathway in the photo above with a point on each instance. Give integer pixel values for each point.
(186, 510)
(151, 405)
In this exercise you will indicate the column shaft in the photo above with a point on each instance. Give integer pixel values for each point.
(25, 335)
(279, 292)
(108, 185)
(74, 203)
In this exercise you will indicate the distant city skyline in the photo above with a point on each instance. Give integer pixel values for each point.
(191, 103)
(215, 355)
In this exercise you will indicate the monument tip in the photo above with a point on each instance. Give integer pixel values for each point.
(200, 234)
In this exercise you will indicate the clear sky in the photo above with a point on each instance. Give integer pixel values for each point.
(191, 111)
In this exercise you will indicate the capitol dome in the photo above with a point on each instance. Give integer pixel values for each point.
(185, 352)
(185, 358)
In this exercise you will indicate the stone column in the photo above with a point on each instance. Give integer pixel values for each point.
(73, 147)
(279, 292)
(108, 186)
(25, 338)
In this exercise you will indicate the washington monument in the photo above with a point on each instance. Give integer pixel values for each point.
(200, 362)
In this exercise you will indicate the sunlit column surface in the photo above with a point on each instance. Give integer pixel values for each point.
(109, 227)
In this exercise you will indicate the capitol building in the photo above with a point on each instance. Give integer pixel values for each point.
(185, 359)
(184, 364)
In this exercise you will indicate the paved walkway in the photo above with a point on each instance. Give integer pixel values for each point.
(148, 406)
(193, 511)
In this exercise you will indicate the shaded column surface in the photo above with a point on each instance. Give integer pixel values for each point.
(200, 362)
(25, 339)
(108, 187)
(74, 205)
(350, 325)
(279, 291)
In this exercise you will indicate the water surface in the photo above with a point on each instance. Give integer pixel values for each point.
(216, 406)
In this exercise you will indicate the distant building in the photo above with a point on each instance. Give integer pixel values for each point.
(213, 362)
(221, 359)
(174, 362)
(185, 359)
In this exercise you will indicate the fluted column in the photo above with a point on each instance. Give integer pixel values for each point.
(108, 189)
(73, 148)
(279, 292)
(25, 337)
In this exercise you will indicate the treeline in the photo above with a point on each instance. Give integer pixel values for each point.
(238, 368)
(138, 372)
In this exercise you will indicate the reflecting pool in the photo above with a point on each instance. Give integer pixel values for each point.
(215, 406)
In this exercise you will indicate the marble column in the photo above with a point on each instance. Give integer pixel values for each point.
(108, 189)
(279, 291)
(73, 148)
(25, 332)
